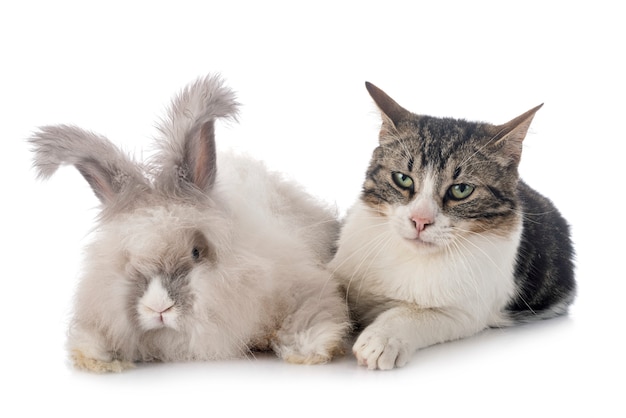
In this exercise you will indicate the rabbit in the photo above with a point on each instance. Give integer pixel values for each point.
(196, 254)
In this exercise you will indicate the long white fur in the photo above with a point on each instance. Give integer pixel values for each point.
(268, 287)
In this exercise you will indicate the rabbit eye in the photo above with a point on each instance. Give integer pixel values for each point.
(195, 254)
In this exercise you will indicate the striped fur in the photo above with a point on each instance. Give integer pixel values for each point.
(447, 235)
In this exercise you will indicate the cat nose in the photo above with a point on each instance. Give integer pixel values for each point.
(421, 223)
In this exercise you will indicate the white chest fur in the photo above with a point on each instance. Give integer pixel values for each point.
(474, 274)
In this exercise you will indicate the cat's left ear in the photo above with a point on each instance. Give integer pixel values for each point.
(392, 112)
(509, 136)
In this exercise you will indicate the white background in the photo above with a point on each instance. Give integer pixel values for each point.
(299, 69)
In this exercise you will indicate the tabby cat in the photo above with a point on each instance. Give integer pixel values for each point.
(445, 239)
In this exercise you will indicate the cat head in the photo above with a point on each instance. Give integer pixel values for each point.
(440, 180)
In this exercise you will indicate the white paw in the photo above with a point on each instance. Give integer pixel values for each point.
(376, 350)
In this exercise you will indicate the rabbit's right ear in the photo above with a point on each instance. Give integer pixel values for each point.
(108, 171)
(186, 159)
(200, 156)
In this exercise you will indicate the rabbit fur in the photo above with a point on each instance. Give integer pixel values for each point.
(197, 254)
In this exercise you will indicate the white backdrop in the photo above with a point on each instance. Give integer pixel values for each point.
(299, 70)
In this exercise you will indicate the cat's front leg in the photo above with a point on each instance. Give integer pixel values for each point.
(397, 333)
(379, 350)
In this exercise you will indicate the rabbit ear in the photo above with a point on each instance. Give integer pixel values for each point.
(199, 159)
(186, 157)
(107, 170)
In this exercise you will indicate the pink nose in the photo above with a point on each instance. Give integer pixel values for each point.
(421, 223)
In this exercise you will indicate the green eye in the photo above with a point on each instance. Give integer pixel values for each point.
(460, 191)
(402, 180)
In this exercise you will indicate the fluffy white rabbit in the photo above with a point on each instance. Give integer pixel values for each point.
(197, 255)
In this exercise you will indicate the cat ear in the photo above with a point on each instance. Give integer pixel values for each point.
(509, 136)
(392, 112)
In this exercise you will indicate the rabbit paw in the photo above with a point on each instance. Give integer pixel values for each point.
(316, 345)
(99, 366)
(377, 350)
(313, 358)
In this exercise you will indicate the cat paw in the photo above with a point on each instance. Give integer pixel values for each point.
(378, 351)
(93, 365)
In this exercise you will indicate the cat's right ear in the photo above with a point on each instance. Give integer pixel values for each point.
(391, 112)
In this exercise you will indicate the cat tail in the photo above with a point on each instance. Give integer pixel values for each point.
(518, 317)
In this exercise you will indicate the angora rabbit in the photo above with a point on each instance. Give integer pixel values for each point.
(197, 255)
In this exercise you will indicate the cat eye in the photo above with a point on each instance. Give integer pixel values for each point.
(195, 254)
(460, 191)
(402, 180)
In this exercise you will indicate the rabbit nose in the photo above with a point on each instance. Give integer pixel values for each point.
(156, 308)
(162, 312)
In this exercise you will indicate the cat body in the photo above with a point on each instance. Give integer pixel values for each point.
(445, 239)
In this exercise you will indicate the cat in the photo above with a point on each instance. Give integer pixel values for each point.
(445, 240)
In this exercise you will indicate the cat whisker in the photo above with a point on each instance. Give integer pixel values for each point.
(364, 251)
(528, 215)
(518, 293)
(382, 246)
(478, 247)
(244, 350)
(370, 247)
(458, 255)
(411, 296)
(314, 225)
